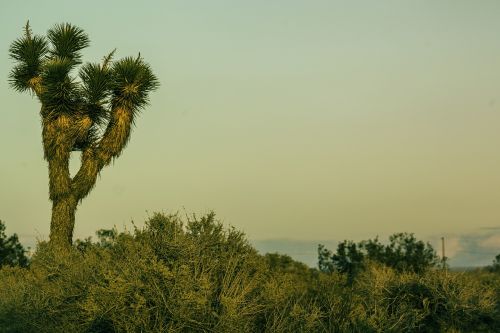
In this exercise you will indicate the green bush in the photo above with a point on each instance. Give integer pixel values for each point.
(403, 252)
(12, 253)
(495, 266)
(434, 301)
(169, 276)
(196, 276)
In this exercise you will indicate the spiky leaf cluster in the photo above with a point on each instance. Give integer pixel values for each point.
(67, 42)
(29, 52)
(60, 91)
(132, 80)
(95, 91)
(45, 65)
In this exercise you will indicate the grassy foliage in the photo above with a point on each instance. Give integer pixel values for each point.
(196, 276)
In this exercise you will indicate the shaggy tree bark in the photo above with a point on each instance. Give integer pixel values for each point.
(66, 192)
(94, 116)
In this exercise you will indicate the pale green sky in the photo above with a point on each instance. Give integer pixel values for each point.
(291, 119)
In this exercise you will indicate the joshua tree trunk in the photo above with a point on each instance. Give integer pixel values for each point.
(93, 115)
(58, 143)
(63, 221)
(65, 192)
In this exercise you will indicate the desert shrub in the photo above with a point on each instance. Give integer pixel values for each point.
(338, 302)
(181, 278)
(194, 275)
(14, 295)
(433, 301)
(45, 297)
(490, 280)
(289, 305)
(169, 276)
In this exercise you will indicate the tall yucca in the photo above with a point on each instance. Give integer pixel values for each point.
(93, 115)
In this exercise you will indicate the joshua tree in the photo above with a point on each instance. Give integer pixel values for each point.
(93, 115)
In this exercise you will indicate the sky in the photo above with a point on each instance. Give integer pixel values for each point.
(297, 122)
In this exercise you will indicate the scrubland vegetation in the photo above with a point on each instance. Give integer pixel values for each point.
(194, 275)
(197, 276)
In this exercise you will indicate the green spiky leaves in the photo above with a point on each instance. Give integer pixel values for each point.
(46, 68)
(67, 42)
(29, 52)
(60, 92)
(96, 82)
(45, 65)
(132, 81)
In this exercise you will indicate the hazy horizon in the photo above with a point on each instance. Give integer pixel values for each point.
(298, 120)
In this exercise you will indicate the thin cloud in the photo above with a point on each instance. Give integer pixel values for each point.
(490, 228)
(492, 242)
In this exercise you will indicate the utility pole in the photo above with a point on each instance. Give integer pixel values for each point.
(443, 257)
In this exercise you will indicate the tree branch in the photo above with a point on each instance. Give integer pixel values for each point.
(98, 155)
